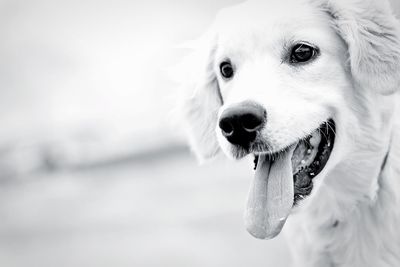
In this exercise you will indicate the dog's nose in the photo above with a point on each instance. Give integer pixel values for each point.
(240, 123)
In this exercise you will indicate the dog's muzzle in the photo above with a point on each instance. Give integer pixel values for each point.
(239, 123)
(283, 177)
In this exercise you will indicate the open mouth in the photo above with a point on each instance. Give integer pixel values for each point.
(283, 179)
(309, 158)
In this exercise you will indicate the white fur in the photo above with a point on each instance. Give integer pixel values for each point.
(352, 214)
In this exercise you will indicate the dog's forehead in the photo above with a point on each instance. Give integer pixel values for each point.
(268, 11)
(277, 19)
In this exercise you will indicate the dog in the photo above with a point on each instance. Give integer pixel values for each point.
(308, 90)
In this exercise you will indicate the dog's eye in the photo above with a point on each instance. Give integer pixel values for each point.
(302, 53)
(226, 69)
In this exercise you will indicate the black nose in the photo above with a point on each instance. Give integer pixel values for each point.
(239, 124)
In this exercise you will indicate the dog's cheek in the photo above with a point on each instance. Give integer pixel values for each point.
(293, 119)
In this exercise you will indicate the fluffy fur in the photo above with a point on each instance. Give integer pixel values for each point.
(352, 215)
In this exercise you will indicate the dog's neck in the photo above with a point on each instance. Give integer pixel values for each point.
(353, 220)
(339, 232)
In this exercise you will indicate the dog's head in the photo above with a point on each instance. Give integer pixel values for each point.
(292, 83)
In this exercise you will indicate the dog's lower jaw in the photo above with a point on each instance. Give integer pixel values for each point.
(337, 231)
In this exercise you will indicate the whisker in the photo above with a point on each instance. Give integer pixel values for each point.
(330, 126)
(322, 132)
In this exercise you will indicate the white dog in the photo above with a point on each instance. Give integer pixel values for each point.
(308, 88)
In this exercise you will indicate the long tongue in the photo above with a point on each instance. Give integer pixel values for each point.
(271, 196)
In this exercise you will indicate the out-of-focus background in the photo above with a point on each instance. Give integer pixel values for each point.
(93, 171)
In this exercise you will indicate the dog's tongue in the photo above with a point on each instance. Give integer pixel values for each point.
(271, 196)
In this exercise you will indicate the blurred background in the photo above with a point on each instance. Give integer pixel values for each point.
(93, 170)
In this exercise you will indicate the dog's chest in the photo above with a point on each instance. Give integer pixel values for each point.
(362, 242)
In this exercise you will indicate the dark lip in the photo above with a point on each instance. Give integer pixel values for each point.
(303, 184)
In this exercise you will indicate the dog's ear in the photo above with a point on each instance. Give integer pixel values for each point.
(201, 98)
(372, 34)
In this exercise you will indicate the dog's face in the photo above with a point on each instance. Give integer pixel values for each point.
(281, 82)
(289, 63)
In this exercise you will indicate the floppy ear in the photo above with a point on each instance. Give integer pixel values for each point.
(372, 34)
(201, 99)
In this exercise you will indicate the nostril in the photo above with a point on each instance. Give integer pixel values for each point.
(226, 127)
(251, 122)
